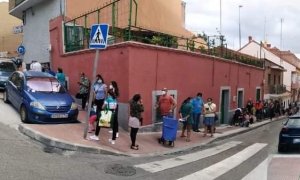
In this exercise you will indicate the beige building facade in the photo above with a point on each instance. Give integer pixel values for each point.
(9, 41)
(167, 16)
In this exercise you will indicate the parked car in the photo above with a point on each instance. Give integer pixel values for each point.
(7, 67)
(40, 98)
(289, 136)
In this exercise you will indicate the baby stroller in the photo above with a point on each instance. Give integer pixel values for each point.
(237, 117)
(169, 131)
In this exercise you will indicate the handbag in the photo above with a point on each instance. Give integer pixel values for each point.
(134, 122)
(105, 118)
(216, 117)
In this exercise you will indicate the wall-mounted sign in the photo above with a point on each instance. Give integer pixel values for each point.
(18, 29)
(21, 50)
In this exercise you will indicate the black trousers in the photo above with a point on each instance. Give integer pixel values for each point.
(116, 114)
(133, 134)
(115, 125)
(84, 100)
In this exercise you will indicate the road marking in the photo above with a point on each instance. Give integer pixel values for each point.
(220, 168)
(286, 156)
(157, 166)
(260, 171)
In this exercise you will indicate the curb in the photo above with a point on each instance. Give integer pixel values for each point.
(221, 137)
(60, 144)
(241, 131)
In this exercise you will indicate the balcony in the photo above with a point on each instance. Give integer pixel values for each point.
(277, 89)
(16, 7)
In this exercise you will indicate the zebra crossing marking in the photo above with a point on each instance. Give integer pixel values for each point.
(260, 171)
(157, 166)
(220, 168)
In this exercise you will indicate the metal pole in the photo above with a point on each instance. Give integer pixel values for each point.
(281, 20)
(240, 6)
(220, 17)
(96, 60)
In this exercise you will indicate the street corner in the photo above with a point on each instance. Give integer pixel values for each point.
(40, 134)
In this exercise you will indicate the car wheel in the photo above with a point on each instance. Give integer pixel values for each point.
(282, 149)
(24, 114)
(5, 97)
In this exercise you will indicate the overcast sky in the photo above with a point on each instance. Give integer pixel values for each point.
(259, 18)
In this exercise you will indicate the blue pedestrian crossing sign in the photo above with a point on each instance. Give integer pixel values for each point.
(98, 36)
(21, 50)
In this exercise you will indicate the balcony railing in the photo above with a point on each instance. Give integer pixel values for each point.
(277, 89)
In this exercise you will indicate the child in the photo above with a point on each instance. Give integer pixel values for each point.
(92, 119)
(246, 120)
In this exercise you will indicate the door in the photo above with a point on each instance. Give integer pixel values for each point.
(14, 89)
(240, 99)
(224, 107)
(257, 94)
(11, 89)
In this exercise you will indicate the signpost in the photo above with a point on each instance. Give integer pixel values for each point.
(98, 40)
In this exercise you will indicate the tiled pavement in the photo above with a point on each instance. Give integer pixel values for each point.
(70, 137)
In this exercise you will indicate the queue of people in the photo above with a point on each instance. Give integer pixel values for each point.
(190, 111)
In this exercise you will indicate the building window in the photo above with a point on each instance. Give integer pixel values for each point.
(279, 80)
(274, 80)
(269, 79)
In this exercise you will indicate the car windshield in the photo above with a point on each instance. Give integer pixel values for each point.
(44, 84)
(7, 67)
(294, 122)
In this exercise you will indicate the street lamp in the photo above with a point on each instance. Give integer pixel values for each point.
(240, 6)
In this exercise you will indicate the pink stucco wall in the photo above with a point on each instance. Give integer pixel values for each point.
(140, 68)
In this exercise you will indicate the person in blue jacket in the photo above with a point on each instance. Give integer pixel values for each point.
(197, 103)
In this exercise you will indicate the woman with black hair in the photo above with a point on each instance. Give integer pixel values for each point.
(110, 103)
(186, 114)
(135, 119)
(100, 91)
(114, 87)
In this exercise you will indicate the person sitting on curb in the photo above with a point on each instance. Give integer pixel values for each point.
(92, 119)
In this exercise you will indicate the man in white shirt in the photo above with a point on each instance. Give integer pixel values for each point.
(36, 66)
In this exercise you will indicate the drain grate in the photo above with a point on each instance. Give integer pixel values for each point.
(120, 170)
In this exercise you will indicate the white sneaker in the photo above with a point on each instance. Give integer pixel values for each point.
(110, 131)
(117, 135)
(111, 141)
(94, 137)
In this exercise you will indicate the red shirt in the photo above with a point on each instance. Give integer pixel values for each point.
(165, 104)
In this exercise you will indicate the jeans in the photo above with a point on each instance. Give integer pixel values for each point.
(196, 119)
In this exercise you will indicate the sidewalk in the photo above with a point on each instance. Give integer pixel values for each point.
(70, 137)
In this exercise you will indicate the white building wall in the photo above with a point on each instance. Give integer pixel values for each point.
(36, 38)
(254, 49)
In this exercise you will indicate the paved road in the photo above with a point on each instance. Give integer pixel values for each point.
(246, 156)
